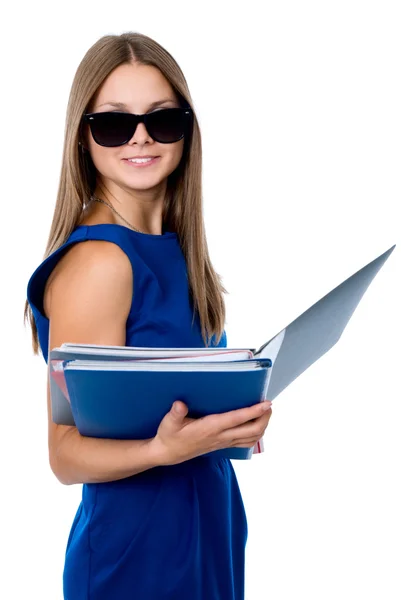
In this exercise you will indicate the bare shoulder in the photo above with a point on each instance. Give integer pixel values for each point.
(91, 268)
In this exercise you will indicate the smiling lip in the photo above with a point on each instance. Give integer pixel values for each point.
(141, 156)
(149, 163)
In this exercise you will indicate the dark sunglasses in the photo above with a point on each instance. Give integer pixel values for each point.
(166, 126)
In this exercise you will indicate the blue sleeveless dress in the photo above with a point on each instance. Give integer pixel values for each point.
(174, 532)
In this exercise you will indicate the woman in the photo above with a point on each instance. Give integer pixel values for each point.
(157, 519)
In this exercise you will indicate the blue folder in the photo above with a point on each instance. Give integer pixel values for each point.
(123, 404)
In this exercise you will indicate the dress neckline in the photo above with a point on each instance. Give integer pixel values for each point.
(163, 236)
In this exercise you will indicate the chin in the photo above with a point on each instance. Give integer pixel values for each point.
(144, 183)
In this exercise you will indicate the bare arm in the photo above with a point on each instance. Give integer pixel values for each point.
(87, 300)
(79, 459)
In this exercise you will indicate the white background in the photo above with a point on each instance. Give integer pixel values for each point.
(299, 107)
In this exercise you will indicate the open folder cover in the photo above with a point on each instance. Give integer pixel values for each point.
(120, 391)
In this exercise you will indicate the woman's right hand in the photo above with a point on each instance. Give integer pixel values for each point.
(181, 438)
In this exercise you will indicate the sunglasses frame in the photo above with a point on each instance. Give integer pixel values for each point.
(136, 119)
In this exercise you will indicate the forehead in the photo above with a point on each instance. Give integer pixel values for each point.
(135, 85)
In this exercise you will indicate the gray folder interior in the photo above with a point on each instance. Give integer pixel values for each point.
(313, 333)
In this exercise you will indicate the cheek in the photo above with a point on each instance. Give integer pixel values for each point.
(174, 155)
(101, 157)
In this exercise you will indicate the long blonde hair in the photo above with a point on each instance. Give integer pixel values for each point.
(182, 211)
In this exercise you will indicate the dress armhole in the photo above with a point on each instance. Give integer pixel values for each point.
(37, 282)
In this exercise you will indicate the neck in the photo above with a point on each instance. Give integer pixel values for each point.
(119, 218)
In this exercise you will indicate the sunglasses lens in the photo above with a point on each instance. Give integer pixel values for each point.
(115, 128)
(168, 125)
(111, 129)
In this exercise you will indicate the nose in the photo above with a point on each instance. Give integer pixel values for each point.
(140, 133)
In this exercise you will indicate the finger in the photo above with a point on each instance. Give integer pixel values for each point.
(246, 443)
(248, 430)
(261, 421)
(267, 415)
(233, 418)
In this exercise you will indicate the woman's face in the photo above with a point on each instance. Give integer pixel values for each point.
(138, 87)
